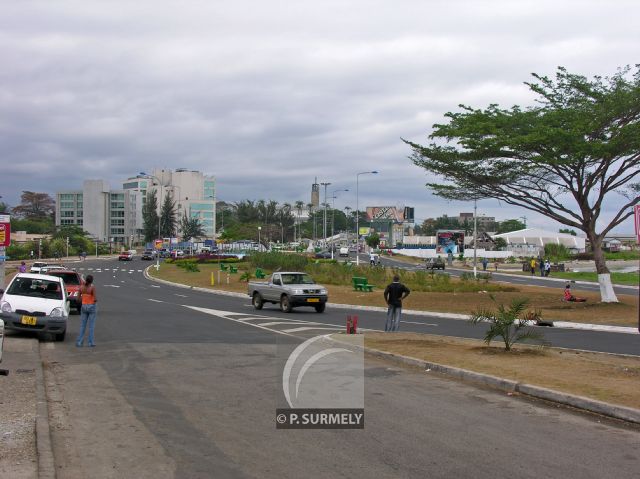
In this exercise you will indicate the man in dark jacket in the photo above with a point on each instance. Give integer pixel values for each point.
(393, 296)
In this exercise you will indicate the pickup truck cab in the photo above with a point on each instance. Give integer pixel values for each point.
(289, 290)
(434, 263)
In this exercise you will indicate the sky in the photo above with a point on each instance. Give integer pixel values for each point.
(267, 96)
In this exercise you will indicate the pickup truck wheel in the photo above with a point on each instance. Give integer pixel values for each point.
(321, 307)
(257, 301)
(285, 304)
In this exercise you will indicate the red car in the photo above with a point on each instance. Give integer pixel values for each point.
(72, 282)
(125, 256)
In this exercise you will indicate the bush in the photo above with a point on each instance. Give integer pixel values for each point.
(274, 260)
(557, 252)
(584, 256)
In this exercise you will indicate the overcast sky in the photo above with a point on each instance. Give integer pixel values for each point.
(267, 95)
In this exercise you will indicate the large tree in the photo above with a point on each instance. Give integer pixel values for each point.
(191, 228)
(561, 158)
(35, 205)
(150, 216)
(168, 220)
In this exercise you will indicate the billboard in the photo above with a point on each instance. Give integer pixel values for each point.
(390, 213)
(450, 241)
(5, 234)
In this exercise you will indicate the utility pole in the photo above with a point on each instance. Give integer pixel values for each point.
(324, 221)
(67, 247)
(475, 236)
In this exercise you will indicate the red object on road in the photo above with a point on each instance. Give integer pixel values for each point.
(352, 324)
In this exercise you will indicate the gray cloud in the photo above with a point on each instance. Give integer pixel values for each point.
(267, 96)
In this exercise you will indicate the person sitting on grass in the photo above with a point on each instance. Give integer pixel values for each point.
(570, 297)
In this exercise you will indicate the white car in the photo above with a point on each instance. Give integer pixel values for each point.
(35, 267)
(1, 337)
(36, 303)
(344, 251)
(52, 267)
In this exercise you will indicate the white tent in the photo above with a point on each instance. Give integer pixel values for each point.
(539, 237)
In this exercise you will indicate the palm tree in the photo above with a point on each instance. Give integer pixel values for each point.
(299, 207)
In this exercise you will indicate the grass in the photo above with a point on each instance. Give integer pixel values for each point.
(629, 279)
(608, 378)
(624, 313)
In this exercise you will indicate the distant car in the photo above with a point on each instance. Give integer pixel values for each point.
(434, 263)
(177, 253)
(52, 267)
(125, 256)
(36, 303)
(344, 251)
(35, 267)
(323, 255)
(72, 282)
(148, 254)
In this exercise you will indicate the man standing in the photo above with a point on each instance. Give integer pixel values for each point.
(394, 293)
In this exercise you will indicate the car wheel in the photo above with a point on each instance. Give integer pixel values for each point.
(321, 307)
(285, 304)
(60, 336)
(257, 301)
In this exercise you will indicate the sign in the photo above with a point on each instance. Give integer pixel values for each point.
(636, 216)
(5, 234)
(450, 241)
(158, 244)
(390, 213)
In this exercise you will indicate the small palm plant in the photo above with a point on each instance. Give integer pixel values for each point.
(511, 324)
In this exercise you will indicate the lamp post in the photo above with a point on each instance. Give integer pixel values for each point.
(145, 175)
(475, 236)
(259, 243)
(358, 213)
(333, 213)
(324, 221)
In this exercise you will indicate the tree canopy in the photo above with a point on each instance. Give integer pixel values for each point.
(561, 158)
(35, 205)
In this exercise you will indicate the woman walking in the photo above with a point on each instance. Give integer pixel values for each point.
(88, 311)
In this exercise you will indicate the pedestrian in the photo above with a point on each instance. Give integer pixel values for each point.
(570, 297)
(22, 268)
(541, 264)
(88, 311)
(31, 254)
(394, 293)
(495, 265)
(485, 263)
(547, 268)
(532, 265)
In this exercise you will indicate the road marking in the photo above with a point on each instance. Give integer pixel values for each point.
(226, 315)
(111, 286)
(273, 323)
(123, 270)
(181, 295)
(297, 330)
(155, 300)
(139, 271)
(416, 322)
(153, 285)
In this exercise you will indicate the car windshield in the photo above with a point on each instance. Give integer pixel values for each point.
(68, 277)
(297, 279)
(36, 288)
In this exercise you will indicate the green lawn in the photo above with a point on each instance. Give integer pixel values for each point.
(630, 279)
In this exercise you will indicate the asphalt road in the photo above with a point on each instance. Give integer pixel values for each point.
(185, 384)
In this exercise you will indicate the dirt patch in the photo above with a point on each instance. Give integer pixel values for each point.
(547, 300)
(604, 377)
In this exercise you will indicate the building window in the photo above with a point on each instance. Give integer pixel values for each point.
(202, 206)
(67, 205)
(67, 222)
(117, 231)
(117, 214)
(117, 222)
(68, 214)
(79, 222)
(119, 205)
(117, 196)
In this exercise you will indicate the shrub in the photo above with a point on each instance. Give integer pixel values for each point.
(276, 260)
(556, 252)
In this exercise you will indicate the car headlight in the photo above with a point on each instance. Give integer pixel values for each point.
(5, 307)
(57, 313)
(298, 291)
(323, 291)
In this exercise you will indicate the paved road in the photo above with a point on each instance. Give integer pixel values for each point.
(173, 391)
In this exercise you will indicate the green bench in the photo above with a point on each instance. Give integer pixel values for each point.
(260, 274)
(233, 269)
(360, 284)
(224, 267)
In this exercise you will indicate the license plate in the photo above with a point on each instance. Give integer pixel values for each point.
(30, 320)
(313, 300)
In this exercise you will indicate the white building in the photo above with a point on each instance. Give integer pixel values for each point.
(193, 192)
(531, 240)
(107, 215)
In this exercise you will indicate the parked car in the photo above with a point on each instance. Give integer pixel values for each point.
(36, 303)
(52, 267)
(125, 256)
(72, 282)
(434, 263)
(148, 254)
(35, 267)
(344, 251)
(323, 255)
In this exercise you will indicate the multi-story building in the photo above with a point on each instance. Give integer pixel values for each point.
(107, 215)
(485, 223)
(193, 192)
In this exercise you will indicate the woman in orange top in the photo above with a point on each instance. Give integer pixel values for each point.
(88, 311)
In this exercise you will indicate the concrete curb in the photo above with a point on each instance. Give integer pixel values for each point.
(618, 412)
(413, 312)
(44, 448)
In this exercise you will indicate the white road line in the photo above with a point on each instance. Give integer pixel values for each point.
(297, 330)
(111, 286)
(153, 285)
(123, 270)
(416, 322)
(155, 300)
(273, 323)
(181, 295)
(224, 315)
(139, 271)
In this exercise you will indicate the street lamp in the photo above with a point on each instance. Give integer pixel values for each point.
(324, 221)
(145, 175)
(259, 243)
(358, 213)
(333, 214)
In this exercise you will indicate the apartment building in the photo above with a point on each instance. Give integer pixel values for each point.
(107, 215)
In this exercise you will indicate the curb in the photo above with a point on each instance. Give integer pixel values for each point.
(579, 402)
(44, 448)
(413, 312)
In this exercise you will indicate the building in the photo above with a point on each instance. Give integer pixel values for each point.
(531, 241)
(193, 192)
(107, 215)
(485, 223)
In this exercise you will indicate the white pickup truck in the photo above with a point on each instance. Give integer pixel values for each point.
(289, 290)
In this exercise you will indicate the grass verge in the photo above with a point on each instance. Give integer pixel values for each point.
(609, 378)
(624, 313)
